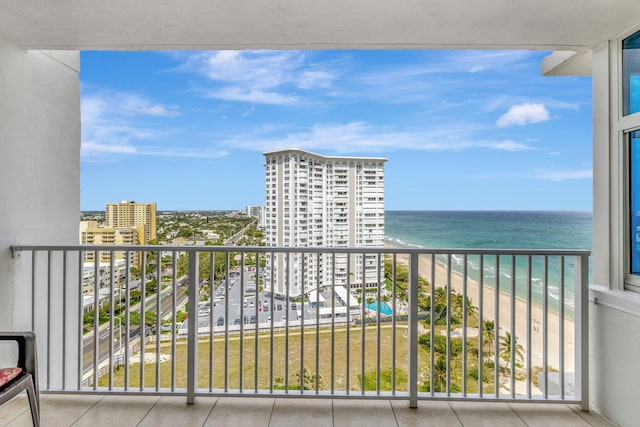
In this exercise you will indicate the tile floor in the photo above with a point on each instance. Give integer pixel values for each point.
(124, 411)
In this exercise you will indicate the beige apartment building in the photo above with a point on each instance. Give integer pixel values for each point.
(126, 223)
(323, 201)
(129, 214)
(92, 234)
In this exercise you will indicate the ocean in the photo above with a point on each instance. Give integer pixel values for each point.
(498, 230)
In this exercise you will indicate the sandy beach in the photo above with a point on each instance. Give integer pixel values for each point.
(504, 315)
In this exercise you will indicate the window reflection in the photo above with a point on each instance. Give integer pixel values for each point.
(631, 73)
(634, 186)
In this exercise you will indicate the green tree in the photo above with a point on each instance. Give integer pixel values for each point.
(455, 312)
(185, 232)
(505, 350)
(89, 316)
(488, 336)
(439, 375)
(458, 307)
(204, 265)
(440, 344)
(402, 283)
(135, 272)
(149, 319)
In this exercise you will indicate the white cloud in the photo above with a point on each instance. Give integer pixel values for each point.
(112, 124)
(494, 104)
(510, 146)
(480, 61)
(197, 153)
(108, 125)
(523, 114)
(123, 104)
(254, 96)
(132, 104)
(261, 77)
(259, 69)
(361, 137)
(315, 79)
(563, 175)
(93, 148)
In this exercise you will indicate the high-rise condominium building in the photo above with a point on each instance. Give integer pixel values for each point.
(323, 201)
(129, 214)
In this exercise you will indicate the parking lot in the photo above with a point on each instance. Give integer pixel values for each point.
(246, 306)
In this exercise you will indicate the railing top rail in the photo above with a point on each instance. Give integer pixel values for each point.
(275, 249)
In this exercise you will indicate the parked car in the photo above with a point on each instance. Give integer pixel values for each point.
(220, 321)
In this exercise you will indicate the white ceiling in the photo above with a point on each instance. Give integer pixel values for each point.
(336, 24)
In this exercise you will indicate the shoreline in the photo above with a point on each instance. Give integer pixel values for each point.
(504, 314)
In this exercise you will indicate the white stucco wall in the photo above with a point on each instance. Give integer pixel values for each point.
(39, 168)
(615, 373)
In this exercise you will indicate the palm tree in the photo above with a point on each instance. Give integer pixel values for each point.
(488, 335)
(439, 375)
(505, 350)
(439, 304)
(458, 307)
(472, 310)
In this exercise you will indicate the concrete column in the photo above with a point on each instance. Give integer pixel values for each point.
(40, 181)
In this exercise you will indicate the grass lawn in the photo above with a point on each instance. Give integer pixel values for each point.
(212, 370)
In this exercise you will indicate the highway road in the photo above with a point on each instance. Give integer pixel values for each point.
(243, 305)
(119, 335)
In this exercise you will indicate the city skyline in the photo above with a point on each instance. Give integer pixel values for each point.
(463, 130)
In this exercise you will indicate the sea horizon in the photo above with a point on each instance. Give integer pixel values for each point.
(500, 229)
(492, 229)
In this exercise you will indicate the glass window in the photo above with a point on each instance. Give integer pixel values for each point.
(631, 74)
(634, 190)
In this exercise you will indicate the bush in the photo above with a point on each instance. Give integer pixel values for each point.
(370, 379)
(440, 344)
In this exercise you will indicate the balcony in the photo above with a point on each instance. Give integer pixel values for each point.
(526, 344)
(100, 410)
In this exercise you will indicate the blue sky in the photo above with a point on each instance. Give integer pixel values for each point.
(463, 130)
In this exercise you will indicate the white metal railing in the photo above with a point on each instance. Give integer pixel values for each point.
(439, 323)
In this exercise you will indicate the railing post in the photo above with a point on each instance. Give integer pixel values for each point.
(582, 329)
(413, 330)
(192, 323)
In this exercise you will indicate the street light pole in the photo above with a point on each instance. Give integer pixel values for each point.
(119, 334)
